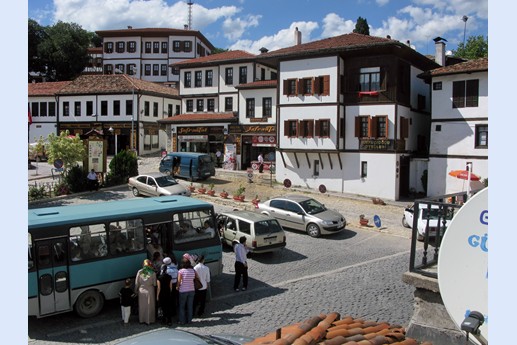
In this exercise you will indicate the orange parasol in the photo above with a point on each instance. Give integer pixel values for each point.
(464, 175)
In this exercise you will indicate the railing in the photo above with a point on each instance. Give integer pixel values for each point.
(436, 215)
(42, 190)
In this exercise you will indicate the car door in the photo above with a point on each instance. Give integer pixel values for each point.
(229, 228)
(294, 216)
(151, 186)
(277, 210)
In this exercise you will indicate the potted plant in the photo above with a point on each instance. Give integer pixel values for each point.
(191, 187)
(362, 220)
(202, 189)
(224, 194)
(239, 193)
(211, 191)
(255, 200)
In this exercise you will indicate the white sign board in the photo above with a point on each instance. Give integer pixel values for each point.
(463, 262)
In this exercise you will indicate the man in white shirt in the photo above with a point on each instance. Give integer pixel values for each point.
(241, 264)
(261, 163)
(93, 183)
(203, 272)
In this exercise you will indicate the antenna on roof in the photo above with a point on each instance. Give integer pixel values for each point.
(190, 3)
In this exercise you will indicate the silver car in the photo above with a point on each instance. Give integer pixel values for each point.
(156, 184)
(175, 337)
(303, 213)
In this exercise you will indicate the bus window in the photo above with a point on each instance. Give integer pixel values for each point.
(31, 253)
(190, 226)
(126, 236)
(88, 241)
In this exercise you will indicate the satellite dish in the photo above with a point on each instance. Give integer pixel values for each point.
(463, 262)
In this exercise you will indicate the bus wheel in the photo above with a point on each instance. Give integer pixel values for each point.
(89, 304)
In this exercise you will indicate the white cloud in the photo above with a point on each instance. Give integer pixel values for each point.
(115, 14)
(234, 28)
(476, 8)
(334, 25)
(382, 2)
(283, 38)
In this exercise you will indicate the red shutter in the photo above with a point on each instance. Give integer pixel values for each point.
(326, 85)
(311, 128)
(387, 128)
(357, 126)
(317, 85)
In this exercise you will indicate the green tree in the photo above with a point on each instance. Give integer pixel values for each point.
(65, 147)
(64, 50)
(219, 50)
(361, 26)
(36, 36)
(475, 47)
(122, 166)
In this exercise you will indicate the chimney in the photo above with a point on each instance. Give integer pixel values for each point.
(185, 27)
(439, 45)
(388, 37)
(263, 50)
(297, 37)
(408, 42)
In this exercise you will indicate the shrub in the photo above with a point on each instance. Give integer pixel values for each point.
(75, 179)
(61, 189)
(122, 167)
(37, 192)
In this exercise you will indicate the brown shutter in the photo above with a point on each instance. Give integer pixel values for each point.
(311, 128)
(404, 127)
(370, 133)
(298, 87)
(317, 85)
(286, 87)
(313, 82)
(374, 125)
(326, 85)
(387, 128)
(357, 126)
(286, 128)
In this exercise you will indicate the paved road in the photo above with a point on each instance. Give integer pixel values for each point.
(357, 272)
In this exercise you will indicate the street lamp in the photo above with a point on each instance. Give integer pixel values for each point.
(464, 18)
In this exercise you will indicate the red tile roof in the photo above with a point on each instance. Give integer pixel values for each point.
(232, 56)
(200, 118)
(477, 65)
(332, 329)
(259, 84)
(115, 83)
(46, 88)
(349, 41)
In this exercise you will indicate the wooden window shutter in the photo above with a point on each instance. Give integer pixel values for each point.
(286, 87)
(182, 46)
(286, 128)
(298, 128)
(387, 124)
(326, 85)
(299, 86)
(472, 93)
(357, 126)
(316, 85)
(372, 127)
(458, 94)
(404, 127)
(317, 128)
(311, 128)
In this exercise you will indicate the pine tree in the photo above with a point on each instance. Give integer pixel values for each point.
(361, 26)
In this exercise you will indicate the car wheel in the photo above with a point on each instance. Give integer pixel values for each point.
(313, 230)
(404, 222)
(89, 304)
(135, 191)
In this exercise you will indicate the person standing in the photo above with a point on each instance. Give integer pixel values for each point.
(186, 291)
(203, 273)
(172, 270)
(218, 155)
(145, 283)
(163, 295)
(261, 163)
(241, 264)
(126, 295)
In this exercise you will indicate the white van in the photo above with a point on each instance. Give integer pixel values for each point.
(263, 233)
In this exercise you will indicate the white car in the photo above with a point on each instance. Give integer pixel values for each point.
(424, 213)
(156, 184)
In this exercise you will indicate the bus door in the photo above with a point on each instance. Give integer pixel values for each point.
(53, 281)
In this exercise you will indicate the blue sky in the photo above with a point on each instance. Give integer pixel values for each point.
(252, 24)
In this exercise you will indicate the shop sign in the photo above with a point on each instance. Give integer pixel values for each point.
(263, 140)
(376, 144)
(192, 130)
(192, 137)
(252, 129)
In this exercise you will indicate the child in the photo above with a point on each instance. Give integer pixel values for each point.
(126, 300)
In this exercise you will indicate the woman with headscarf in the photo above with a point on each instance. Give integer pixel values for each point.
(164, 296)
(145, 283)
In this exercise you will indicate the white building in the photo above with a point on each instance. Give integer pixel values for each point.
(43, 109)
(146, 53)
(121, 107)
(351, 113)
(459, 128)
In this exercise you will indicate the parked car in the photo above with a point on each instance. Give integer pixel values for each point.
(156, 184)
(303, 213)
(37, 155)
(263, 233)
(424, 213)
(175, 336)
(192, 166)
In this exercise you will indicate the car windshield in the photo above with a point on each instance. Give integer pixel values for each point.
(166, 181)
(312, 206)
(434, 213)
(265, 227)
